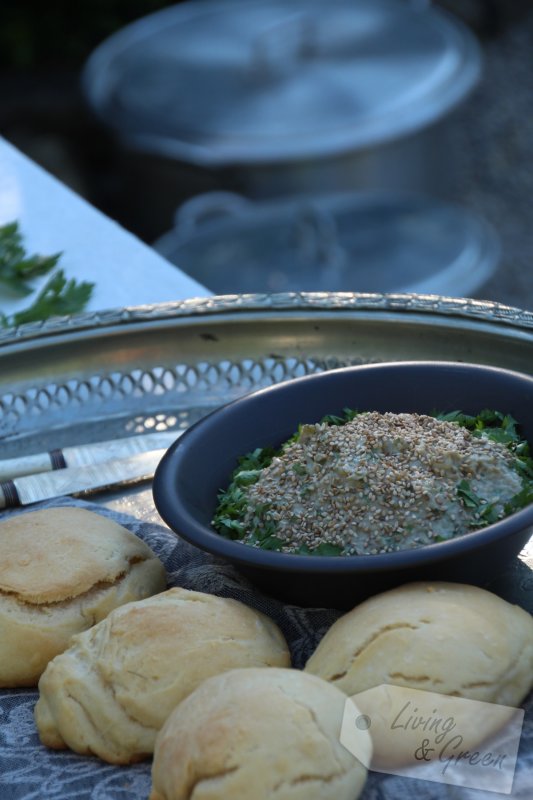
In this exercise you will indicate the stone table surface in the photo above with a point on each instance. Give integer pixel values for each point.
(53, 218)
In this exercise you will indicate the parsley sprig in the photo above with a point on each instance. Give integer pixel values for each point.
(58, 297)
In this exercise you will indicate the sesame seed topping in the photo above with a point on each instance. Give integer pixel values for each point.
(378, 483)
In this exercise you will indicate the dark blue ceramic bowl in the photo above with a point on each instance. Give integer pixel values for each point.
(202, 460)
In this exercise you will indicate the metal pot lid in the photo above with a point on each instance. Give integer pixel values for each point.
(356, 242)
(239, 82)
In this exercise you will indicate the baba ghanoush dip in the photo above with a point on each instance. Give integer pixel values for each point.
(373, 483)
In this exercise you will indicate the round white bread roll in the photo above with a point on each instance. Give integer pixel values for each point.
(434, 663)
(262, 734)
(448, 638)
(61, 571)
(112, 690)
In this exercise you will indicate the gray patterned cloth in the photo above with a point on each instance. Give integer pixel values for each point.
(29, 771)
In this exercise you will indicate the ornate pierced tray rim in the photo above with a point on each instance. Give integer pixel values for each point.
(435, 305)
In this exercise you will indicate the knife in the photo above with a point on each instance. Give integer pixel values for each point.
(75, 480)
(83, 455)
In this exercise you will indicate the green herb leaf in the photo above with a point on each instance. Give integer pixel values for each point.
(465, 420)
(524, 466)
(347, 415)
(486, 513)
(505, 433)
(271, 543)
(230, 528)
(489, 514)
(489, 423)
(59, 297)
(467, 496)
(520, 500)
(299, 469)
(246, 477)
(323, 549)
(259, 458)
(16, 267)
(231, 506)
(328, 549)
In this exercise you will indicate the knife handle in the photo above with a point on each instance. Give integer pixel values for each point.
(27, 465)
(9, 497)
(30, 489)
(85, 455)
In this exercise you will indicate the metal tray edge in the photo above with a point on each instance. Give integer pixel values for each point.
(434, 305)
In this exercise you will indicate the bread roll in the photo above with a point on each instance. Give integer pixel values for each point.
(448, 638)
(262, 734)
(112, 690)
(428, 662)
(61, 571)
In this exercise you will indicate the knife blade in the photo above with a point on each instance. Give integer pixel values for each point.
(75, 480)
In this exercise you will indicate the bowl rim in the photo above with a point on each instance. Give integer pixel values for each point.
(208, 539)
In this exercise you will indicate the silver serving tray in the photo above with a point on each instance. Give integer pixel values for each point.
(96, 376)
(115, 373)
(103, 375)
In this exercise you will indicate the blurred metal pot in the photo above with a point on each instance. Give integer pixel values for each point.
(347, 241)
(283, 97)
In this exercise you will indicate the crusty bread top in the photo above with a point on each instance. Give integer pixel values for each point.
(58, 553)
(449, 638)
(259, 733)
(171, 642)
(113, 688)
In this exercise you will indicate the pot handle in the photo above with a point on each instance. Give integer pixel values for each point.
(206, 207)
(315, 237)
